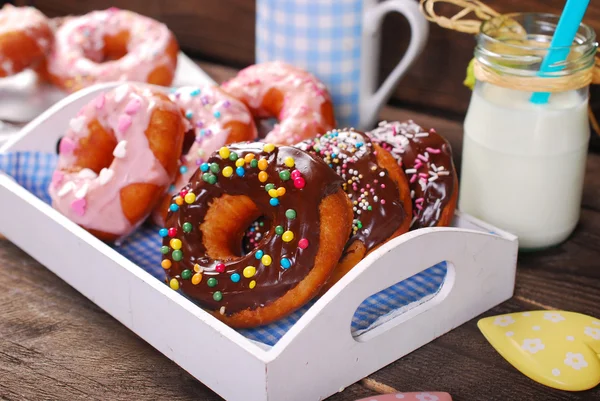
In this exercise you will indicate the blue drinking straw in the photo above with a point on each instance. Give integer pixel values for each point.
(567, 28)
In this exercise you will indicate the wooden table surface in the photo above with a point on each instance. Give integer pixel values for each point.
(55, 344)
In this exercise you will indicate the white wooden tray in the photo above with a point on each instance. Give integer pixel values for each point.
(318, 356)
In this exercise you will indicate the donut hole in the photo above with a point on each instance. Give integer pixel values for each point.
(225, 224)
(113, 48)
(255, 234)
(95, 151)
(188, 140)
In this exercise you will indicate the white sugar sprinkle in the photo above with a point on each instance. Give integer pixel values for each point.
(82, 192)
(120, 150)
(105, 176)
(68, 187)
(86, 173)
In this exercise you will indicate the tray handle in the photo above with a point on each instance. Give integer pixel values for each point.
(480, 266)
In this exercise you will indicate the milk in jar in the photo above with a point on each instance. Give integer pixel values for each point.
(523, 164)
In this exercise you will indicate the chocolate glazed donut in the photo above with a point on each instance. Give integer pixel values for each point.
(376, 186)
(426, 158)
(310, 218)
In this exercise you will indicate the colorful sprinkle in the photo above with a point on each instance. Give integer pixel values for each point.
(289, 162)
(189, 114)
(240, 163)
(269, 147)
(166, 264)
(263, 176)
(233, 156)
(196, 278)
(224, 152)
(197, 268)
(269, 187)
(296, 174)
(254, 163)
(220, 267)
(212, 282)
(179, 201)
(172, 232)
(164, 249)
(252, 284)
(195, 92)
(235, 277)
(204, 167)
(175, 243)
(214, 167)
(299, 182)
(303, 243)
(249, 271)
(249, 157)
(173, 207)
(274, 201)
(287, 236)
(280, 191)
(266, 260)
(273, 193)
(190, 198)
(290, 214)
(177, 255)
(240, 171)
(285, 263)
(186, 274)
(259, 254)
(227, 171)
(284, 175)
(279, 230)
(183, 169)
(217, 296)
(174, 284)
(187, 227)
(263, 164)
(163, 232)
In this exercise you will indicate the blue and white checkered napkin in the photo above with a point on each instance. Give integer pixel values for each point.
(34, 170)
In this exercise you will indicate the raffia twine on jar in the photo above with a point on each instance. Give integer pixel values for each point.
(461, 23)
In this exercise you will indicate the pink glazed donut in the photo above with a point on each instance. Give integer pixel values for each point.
(298, 99)
(25, 38)
(214, 119)
(111, 45)
(117, 160)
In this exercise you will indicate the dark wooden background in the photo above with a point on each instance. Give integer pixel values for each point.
(222, 31)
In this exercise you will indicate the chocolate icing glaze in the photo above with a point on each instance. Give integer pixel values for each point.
(426, 158)
(272, 280)
(351, 155)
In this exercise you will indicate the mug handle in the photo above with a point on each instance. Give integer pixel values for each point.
(372, 99)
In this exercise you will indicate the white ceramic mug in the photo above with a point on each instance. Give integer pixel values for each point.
(338, 41)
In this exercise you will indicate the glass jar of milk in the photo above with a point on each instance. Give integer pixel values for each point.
(523, 164)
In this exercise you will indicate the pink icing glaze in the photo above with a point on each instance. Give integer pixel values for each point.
(22, 19)
(77, 53)
(300, 117)
(92, 200)
(202, 106)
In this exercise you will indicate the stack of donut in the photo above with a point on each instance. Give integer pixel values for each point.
(252, 227)
(102, 46)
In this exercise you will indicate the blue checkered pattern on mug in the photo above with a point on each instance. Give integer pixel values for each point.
(323, 37)
(33, 171)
